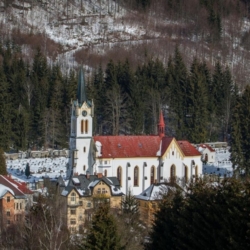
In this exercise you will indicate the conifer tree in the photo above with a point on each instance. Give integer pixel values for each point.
(5, 112)
(197, 114)
(3, 170)
(103, 232)
(27, 170)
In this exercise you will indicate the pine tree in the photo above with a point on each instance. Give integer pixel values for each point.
(103, 233)
(197, 114)
(5, 112)
(3, 170)
(27, 170)
(178, 92)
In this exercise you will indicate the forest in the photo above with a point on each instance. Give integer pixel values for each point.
(35, 99)
(196, 73)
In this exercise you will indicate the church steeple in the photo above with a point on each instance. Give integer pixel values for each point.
(161, 125)
(81, 91)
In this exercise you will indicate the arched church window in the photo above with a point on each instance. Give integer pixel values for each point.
(119, 175)
(82, 126)
(86, 126)
(186, 173)
(152, 175)
(172, 173)
(136, 176)
(196, 171)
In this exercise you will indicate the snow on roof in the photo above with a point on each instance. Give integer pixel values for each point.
(4, 190)
(155, 192)
(64, 193)
(76, 180)
(93, 183)
(115, 190)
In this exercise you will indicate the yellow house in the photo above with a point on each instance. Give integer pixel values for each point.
(84, 193)
(150, 199)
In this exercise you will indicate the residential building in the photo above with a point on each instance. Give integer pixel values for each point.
(15, 199)
(84, 193)
(208, 153)
(150, 199)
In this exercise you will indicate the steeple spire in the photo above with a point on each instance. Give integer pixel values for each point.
(81, 92)
(161, 125)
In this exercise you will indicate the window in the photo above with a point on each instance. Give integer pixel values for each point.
(16, 205)
(152, 175)
(82, 126)
(98, 190)
(136, 176)
(86, 126)
(103, 191)
(196, 171)
(20, 205)
(119, 175)
(80, 203)
(105, 172)
(105, 162)
(172, 173)
(8, 213)
(186, 173)
(8, 222)
(172, 152)
(89, 204)
(84, 168)
(73, 198)
(72, 211)
(8, 198)
(84, 149)
(72, 221)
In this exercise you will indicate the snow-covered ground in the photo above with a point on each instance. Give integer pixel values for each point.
(55, 167)
(222, 165)
(39, 168)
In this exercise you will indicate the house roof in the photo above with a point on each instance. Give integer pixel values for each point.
(156, 191)
(188, 149)
(16, 188)
(140, 146)
(165, 144)
(83, 185)
(207, 146)
(128, 146)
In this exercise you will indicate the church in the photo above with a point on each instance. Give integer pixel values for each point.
(137, 161)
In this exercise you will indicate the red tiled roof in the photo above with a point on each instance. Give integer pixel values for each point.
(209, 148)
(129, 146)
(20, 187)
(188, 149)
(165, 144)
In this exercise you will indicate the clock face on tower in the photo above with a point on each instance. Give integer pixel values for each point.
(84, 112)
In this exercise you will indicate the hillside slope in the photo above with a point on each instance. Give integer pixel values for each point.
(95, 31)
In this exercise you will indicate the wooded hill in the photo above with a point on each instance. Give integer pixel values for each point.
(35, 99)
(191, 63)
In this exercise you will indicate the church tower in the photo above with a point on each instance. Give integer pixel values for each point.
(82, 112)
(161, 125)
